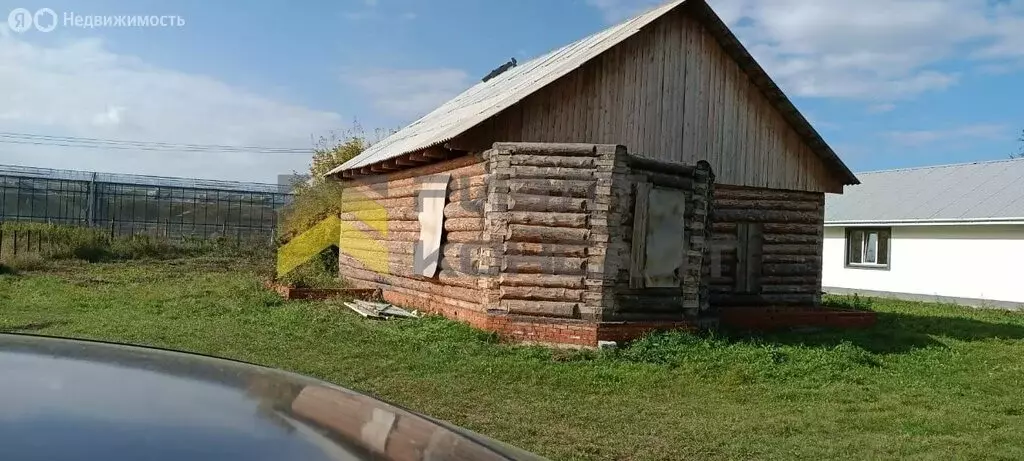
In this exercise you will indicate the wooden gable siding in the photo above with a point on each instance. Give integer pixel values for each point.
(670, 93)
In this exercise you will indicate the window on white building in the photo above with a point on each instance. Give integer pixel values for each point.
(867, 247)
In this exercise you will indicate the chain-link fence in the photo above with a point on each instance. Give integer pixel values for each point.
(172, 208)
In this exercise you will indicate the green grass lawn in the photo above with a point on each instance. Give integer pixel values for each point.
(929, 382)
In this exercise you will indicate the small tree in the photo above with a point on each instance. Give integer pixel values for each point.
(1020, 149)
(319, 197)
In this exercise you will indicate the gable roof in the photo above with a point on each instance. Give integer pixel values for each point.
(486, 99)
(969, 192)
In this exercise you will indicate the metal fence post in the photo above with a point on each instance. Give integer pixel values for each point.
(90, 205)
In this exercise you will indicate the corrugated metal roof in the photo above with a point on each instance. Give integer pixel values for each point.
(947, 193)
(489, 98)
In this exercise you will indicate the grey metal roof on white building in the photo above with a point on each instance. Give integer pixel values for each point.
(965, 193)
(486, 99)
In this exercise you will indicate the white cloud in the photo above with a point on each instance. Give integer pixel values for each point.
(881, 108)
(876, 50)
(407, 93)
(81, 89)
(918, 138)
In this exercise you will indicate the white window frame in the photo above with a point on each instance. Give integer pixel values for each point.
(866, 232)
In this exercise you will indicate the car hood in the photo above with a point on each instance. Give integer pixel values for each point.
(66, 399)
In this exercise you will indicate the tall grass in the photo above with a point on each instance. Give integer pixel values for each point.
(49, 242)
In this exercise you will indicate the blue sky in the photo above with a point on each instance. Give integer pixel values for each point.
(888, 83)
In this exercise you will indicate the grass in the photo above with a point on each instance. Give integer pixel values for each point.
(930, 381)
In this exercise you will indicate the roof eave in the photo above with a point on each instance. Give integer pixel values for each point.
(926, 222)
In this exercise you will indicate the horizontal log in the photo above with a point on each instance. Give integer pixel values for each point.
(541, 308)
(472, 193)
(542, 234)
(540, 218)
(469, 265)
(785, 205)
(727, 262)
(552, 187)
(462, 279)
(423, 285)
(557, 161)
(463, 224)
(464, 209)
(720, 227)
(470, 165)
(541, 280)
(358, 205)
(544, 249)
(790, 269)
(562, 265)
(459, 188)
(791, 238)
(723, 192)
(349, 224)
(350, 245)
(543, 148)
(540, 172)
(775, 280)
(435, 294)
(807, 229)
(386, 214)
(465, 237)
(523, 202)
(541, 294)
(377, 261)
(791, 249)
(388, 236)
(774, 216)
(462, 250)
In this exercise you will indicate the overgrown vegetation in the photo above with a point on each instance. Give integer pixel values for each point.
(317, 197)
(31, 246)
(929, 382)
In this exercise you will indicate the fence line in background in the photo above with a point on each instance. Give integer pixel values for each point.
(124, 205)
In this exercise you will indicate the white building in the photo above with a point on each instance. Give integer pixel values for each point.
(952, 233)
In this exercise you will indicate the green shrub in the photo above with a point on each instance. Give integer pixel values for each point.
(847, 302)
(24, 262)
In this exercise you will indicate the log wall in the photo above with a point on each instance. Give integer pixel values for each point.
(546, 220)
(630, 302)
(767, 247)
(380, 230)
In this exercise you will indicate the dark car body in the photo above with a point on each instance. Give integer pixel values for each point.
(63, 399)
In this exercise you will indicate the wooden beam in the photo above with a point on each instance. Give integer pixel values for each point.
(405, 161)
(419, 157)
(436, 153)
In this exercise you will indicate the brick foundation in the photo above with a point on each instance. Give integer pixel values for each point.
(572, 332)
(540, 330)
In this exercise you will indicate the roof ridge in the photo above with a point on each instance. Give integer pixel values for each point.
(945, 165)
